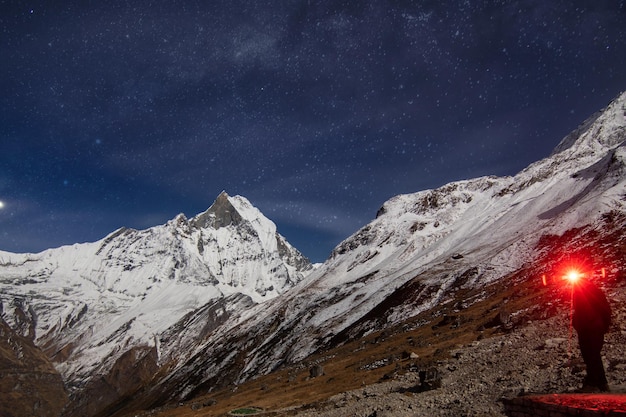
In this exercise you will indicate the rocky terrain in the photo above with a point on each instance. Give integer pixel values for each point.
(28, 381)
(539, 357)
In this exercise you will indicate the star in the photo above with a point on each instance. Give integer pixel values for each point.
(316, 112)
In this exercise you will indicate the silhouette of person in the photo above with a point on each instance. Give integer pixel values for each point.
(591, 319)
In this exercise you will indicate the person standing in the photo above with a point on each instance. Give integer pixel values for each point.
(591, 319)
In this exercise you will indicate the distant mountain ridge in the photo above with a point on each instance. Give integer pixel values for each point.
(202, 303)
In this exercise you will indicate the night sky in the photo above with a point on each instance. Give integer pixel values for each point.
(127, 113)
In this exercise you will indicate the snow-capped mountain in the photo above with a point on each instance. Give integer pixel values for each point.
(87, 305)
(423, 248)
(143, 318)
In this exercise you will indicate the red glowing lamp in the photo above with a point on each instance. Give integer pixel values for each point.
(573, 275)
(572, 271)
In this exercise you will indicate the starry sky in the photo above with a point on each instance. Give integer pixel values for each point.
(126, 113)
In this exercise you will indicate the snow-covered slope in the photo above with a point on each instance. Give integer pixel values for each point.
(86, 305)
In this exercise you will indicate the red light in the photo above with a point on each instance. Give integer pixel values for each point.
(573, 276)
(572, 271)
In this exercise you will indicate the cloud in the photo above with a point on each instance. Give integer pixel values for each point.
(309, 214)
(251, 46)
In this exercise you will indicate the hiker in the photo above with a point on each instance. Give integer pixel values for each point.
(591, 319)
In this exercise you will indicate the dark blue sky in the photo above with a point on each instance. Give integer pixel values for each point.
(126, 113)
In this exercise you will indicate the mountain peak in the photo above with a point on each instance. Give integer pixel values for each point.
(222, 213)
(603, 130)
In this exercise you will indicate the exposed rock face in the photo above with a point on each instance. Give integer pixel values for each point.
(290, 256)
(29, 384)
(220, 214)
(131, 373)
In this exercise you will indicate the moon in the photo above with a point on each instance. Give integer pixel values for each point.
(1, 204)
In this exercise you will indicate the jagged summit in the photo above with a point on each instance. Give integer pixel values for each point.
(221, 213)
(604, 128)
(237, 212)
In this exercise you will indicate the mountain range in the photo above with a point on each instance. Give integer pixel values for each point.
(145, 318)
